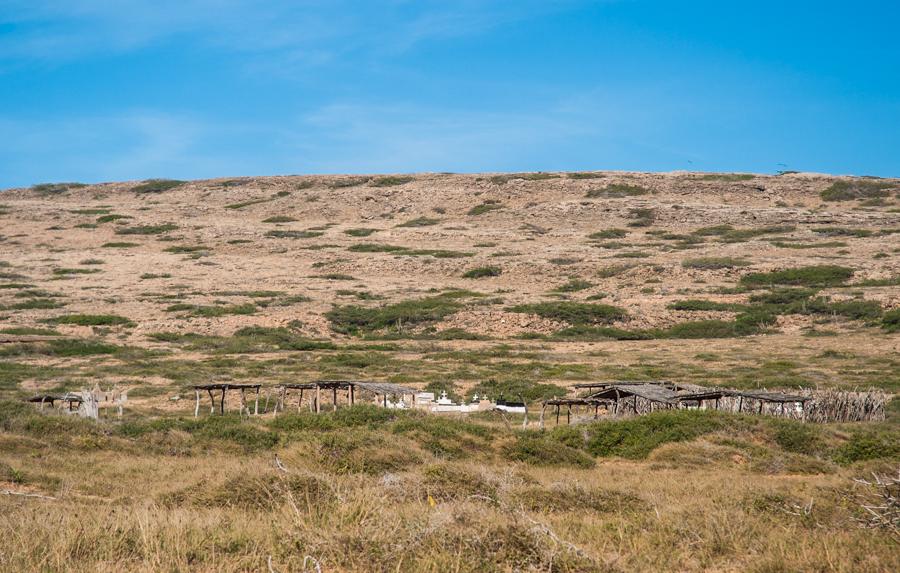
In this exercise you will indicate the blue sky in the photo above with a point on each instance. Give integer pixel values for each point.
(94, 90)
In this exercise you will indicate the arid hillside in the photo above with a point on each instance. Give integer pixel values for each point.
(606, 274)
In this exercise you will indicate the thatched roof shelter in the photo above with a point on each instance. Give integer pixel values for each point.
(383, 389)
(224, 387)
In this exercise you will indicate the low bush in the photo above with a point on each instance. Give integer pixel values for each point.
(617, 190)
(483, 208)
(279, 219)
(55, 188)
(814, 276)
(156, 185)
(119, 245)
(352, 319)
(482, 272)
(213, 311)
(90, 320)
(420, 222)
(609, 234)
(635, 438)
(714, 263)
(853, 189)
(891, 320)
(360, 232)
(282, 234)
(543, 451)
(391, 181)
(573, 312)
(147, 229)
(869, 445)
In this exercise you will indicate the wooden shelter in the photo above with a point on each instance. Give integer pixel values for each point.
(593, 387)
(350, 389)
(73, 400)
(224, 388)
(589, 403)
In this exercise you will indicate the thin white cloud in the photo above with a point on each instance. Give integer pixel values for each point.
(57, 30)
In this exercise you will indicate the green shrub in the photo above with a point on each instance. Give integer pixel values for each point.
(857, 309)
(727, 177)
(542, 451)
(707, 305)
(90, 320)
(420, 222)
(156, 185)
(147, 229)
(279, 219)
(617, 190)
(282, 234)
(609, 234)
(586, 175)
(360, 232)
(869, 445)
(345, 182)
(481, 272)
(614, 270)
(641, 217)
(635, 438)
(213, 311)
(483, 208)
(814, 276)
(891, 320)
(797, 437)
(184, 249)
(375, 248)
(119, 245)
(714, 263)
(55, 188)
(853, 189)
(574, 285)
(352, 319)
(391, 181)
(573, 312)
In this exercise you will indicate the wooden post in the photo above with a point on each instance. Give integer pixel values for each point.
(541, 420)
(196, 407)
(256, 404)
(557, 414)
(300, 401)
(318, 396)
(568, 414)
(740, 404)
(385, 400)
(222, 404)
(212, 401)
(760, 406)
(717, 403)
(243, 402)
(353, 397)
(635, 405)
(334, 397)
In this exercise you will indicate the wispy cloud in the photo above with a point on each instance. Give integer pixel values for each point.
(299, 30)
